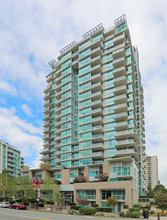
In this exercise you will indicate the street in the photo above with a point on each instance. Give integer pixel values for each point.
(8, 214)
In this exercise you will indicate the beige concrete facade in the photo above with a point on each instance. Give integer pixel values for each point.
(98, 186)
(65, 176)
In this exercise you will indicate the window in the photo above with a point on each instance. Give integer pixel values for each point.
(127, 50)
(85, 111)
(110, 74)
(81, 46)
(66, 133)
(110, 101)
(66, 102)
(66, 125)
(66, 148)
(85, 161)
(110, 83)
(85, 119)
(85, 77)
(65, 79)
(111, 152)
(85, 144)
(85, 69)
(66, 110)
(129, 68)
(66, 71)
(111, 134)
(129, 86)
(66, 118)
(86, 135)
(85, 86)
(111, 143)
(84, 61)
(65, 64)
(97, 36)
(129, 77)
(83, 53)
(108, 43)
(109, 57)
(65, 95)
(109, 65)
(85, 127)
(128, 59)
(121, 27)
(65, 87)
(85, 103)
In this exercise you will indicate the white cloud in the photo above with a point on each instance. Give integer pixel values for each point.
(6, 87)
(26, 109)
(25, 136)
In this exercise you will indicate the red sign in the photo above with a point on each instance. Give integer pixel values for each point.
(34, 181)
(39, 183)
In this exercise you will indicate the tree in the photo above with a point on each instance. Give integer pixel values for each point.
(150, 193)
(161, 201)
(44, 166)
(25, 167)
(23, 188)
(159, 188)
(82, 201)
(6, 184)
(50, 192)
(111, 201)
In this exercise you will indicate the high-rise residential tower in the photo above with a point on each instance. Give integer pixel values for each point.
(94, 109)
(10, 159)
(152, 171)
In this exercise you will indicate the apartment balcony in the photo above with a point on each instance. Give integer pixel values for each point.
(120, 108)
(98, 128)
(97, 103)
(46, 117)
(46, 143)
(121, 116)
(46, 124)
(45, 151)
(45, 158)
(47, 130)
(97, 111)
(120, 81)
(58, 130)
(97, 154)
(120, 90)
(97, 146)
(47, 96)
(122, 174)
(98, 162)
(120, 71)
(47, 110)
(127, 152)
(47, 90)
(96, 78)
(98, 137)
(97, 120)
(119, 62)
(120, 99)
(119, 39)
(47, 103)
(58, 110)
(47, 137)
(125, 143)
(121, 125)
(119, 53)
(96, 87)
(96, 68)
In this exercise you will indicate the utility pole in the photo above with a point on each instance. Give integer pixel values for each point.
(36, 180)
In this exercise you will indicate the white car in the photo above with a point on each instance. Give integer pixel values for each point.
(4, 205)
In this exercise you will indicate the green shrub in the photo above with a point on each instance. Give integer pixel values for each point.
(101, 214)
(87, 211)
(95, 205)
(125, 206)
(134, 209)
(72, 204)
(75, 207)
(100, 209)
(151, 212)
(148, 206)
(137, 205)
(128, 214)
(121, 214)
(135, 214)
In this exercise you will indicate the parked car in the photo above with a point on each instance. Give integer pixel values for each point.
(17, 206)
(4, 204)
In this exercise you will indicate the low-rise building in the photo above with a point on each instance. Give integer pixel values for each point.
(10, 159)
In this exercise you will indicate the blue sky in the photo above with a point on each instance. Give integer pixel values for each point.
(31, 34)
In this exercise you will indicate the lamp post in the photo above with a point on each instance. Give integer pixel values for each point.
(36, 183)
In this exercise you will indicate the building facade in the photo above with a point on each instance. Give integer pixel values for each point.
(10, 159)
(152, 171)
(94, 109)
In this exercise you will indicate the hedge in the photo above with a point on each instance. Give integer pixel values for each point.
(75, 207)
(125, 206)
(135, 214)
(134, 209)
(137, 205)
(87, 211)
(95, 205)
(100, 209)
